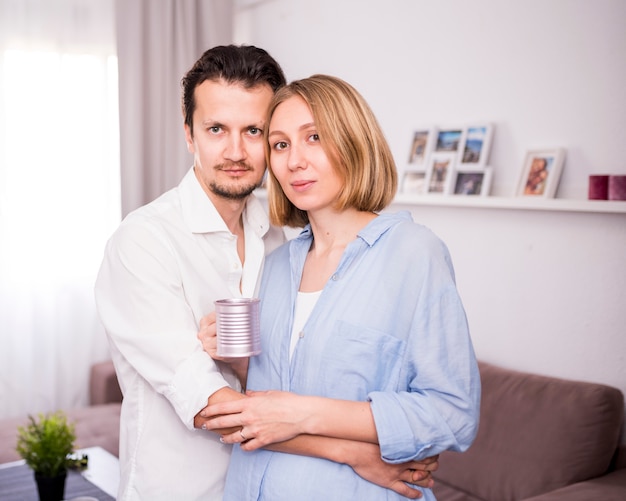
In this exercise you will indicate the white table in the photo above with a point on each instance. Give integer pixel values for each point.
(102, 471)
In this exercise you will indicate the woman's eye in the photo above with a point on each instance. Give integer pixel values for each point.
(314, 137)
(280, 145)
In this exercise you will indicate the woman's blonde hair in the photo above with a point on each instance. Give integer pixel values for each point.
(353, 140)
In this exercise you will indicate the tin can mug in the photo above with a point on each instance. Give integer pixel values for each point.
(238, 327)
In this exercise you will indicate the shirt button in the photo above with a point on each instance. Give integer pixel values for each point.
(335, 277)
(301, 335)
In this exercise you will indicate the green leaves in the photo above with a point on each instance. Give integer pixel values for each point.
(46, 442)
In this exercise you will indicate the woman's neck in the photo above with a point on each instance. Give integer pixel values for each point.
(335, 230)
(332, 232)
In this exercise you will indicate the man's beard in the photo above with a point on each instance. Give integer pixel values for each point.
(236, 192)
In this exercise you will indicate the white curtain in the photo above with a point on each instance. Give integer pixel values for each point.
(59, 195)
(157, 43)
(64, 136)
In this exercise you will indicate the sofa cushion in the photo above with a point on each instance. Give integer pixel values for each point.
(97, 425)
(536, 434)
(444, 492)
(103, 384)
(611, 487)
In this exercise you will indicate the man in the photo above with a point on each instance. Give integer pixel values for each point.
(170, 260)
(166, 265)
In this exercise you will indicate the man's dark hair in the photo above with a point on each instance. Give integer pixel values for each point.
(246, 65)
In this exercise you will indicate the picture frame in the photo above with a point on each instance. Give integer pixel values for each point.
(414, 182)
(541, 172)
(422, 143)
(440, 173)
(448, 140)
(469, 182)
(475, 146)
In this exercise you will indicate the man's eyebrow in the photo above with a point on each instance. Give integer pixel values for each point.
(216, 123)
(212, 123)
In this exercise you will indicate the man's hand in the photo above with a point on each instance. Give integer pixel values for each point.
(222, 395)
(365, 460)
(207, 334)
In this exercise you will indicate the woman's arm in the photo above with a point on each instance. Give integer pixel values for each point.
(269, 417)
(364, 458)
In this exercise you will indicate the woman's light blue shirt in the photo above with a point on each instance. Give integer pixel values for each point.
(389, 327)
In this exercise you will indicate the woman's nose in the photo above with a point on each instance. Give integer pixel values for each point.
(296, 158)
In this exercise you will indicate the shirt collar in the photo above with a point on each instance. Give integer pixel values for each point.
(201, 216)
(379, 225)
(374, 229)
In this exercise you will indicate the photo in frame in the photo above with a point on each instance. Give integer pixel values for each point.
(448, 140)
(421, 146)
(472, 182)
(541, 172)
(440, 173)
(414, 181)
(475, 146)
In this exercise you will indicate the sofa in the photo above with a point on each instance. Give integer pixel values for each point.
(97, 424)
(540, 439)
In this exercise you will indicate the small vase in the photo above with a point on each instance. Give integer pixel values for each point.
(51, 488)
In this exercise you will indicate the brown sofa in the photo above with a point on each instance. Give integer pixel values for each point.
(541, 439)
(96, 425)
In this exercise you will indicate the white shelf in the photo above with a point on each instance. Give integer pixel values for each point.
(515, 203)
(519, 203)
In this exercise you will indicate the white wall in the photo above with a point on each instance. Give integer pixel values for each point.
(544, 291)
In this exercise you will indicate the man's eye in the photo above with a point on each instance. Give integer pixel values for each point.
(215, 129)
(255, 131)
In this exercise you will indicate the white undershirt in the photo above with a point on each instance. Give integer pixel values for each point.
(305, 302)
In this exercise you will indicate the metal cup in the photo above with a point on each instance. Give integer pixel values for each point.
(238, 327)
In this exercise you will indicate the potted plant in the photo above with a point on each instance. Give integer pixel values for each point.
(45, 444)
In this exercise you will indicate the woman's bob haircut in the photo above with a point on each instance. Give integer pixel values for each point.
(351, 138)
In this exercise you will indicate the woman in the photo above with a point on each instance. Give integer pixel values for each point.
(363, 330)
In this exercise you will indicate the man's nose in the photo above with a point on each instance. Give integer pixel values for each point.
(235, 149)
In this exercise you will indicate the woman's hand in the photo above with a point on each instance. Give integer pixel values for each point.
(265, 418)
(207, 334)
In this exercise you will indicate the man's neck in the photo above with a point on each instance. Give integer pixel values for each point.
(231, 212)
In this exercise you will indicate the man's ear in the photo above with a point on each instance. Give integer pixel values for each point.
(189, 139)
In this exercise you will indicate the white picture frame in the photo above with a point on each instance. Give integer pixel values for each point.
(440, 173)
(541, 173)
(472, 182)
(448, 140)
(414, 182)
(475, 146)
(422, 144)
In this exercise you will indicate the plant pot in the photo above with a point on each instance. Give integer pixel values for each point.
(51, 488)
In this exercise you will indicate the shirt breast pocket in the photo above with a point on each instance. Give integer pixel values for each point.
(359, 360)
